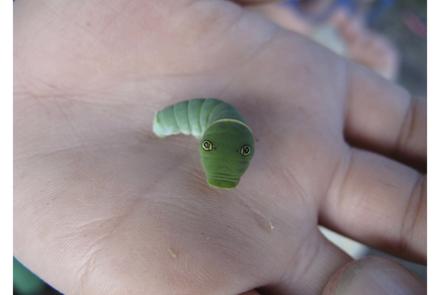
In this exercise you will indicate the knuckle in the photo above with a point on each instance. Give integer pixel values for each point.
(408, 127)
(414, 216)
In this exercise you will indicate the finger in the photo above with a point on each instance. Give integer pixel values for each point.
(284, 17)
(317, 261)
(364, 46)
(351, 29)
(383, 117)
(379, 202)
(373, 276)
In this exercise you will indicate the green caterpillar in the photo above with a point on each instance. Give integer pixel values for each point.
(226, 142)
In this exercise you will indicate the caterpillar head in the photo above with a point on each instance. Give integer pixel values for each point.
(226, 150)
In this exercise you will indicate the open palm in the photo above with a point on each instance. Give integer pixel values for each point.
(102, 206)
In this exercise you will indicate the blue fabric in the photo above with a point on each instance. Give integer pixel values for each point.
(378, 8)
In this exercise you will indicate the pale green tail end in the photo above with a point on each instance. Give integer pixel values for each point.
(179, 118)
(164, 123)
(157, 129)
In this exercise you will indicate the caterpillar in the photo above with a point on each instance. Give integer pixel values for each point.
(226, 142)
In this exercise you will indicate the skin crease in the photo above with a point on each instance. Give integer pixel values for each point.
(101, 206)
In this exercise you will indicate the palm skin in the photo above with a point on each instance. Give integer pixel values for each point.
(121, 211)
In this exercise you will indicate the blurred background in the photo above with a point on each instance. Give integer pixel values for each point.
(405, 25)
(389, 36)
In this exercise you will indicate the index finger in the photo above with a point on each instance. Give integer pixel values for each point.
(384, 117)
(379, 202)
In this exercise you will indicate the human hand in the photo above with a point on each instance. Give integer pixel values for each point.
(102, 206)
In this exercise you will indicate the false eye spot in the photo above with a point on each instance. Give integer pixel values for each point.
(207, 145)
(245, 150)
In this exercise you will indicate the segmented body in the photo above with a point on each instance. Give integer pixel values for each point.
(226, 142)
(193, 117)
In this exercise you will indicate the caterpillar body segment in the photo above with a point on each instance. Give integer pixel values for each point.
(192, 117)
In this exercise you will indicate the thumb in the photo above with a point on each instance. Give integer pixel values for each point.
(373, 275)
